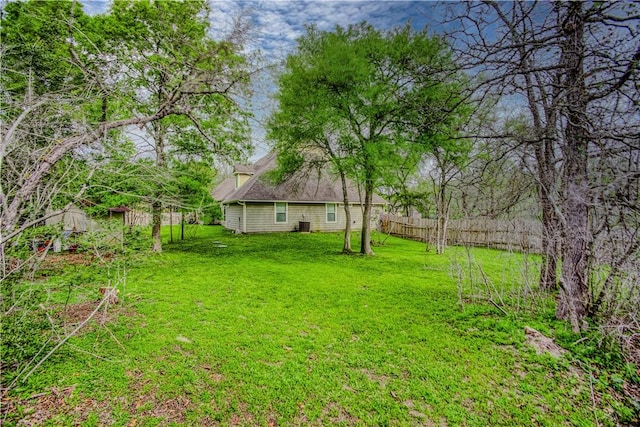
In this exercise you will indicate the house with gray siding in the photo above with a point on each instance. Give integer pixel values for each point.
(310, 200)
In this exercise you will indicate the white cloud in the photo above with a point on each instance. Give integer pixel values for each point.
(94, 7)
(276, 24)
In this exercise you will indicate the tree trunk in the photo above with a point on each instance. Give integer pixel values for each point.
(346, 249)
(159, 134)
(3, 263)
(155, 228)
(549, 266)
(443, 219)
(171, 224)
(365, 242)
(541, 101)
(572, 304)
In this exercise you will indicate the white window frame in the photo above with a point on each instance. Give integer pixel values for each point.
(275, 212)
(335, 213)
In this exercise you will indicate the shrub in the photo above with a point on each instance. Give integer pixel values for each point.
(24, 328)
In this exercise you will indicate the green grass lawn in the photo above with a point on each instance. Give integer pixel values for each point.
(284, 330)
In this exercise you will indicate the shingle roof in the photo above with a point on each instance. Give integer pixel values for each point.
(303, 186)
(223, 189)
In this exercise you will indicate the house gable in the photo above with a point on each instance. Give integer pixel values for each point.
(311, 196)
(309, 186)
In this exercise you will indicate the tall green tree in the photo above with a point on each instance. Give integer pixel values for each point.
(449, 158)
(194, 181)
(158, 58)
(71, 81)
(366, 98)
(401, 187)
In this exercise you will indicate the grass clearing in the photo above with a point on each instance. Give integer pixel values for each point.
(284, 330)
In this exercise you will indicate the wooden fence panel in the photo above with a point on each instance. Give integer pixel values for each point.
(137, 217)
(517, 235)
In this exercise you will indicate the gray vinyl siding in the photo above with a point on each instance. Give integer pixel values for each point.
(261, 217)
(233, 218)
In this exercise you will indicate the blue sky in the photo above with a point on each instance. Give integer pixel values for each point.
(275, 25)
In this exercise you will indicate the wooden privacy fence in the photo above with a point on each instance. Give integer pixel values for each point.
(518, 235)
(137, 217)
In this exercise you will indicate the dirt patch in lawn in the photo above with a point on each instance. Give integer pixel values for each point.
(171, 410)
(335, 414)
(541, 343)
(70, 316)
(56, 404)
(148, 403)
(51, 405)
(58, 261)
(382, 380)
(74, 314)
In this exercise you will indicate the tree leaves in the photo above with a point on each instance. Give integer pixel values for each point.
(367, 99)
(73, 83)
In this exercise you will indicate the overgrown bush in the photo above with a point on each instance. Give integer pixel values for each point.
(615, 302)
(37, 282)
(25, 330)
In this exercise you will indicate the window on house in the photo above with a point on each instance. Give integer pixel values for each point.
(331, 212)
(281, 211)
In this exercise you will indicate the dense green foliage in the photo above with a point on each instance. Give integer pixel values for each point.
(214, 123)
(174, 54)
(282, 329)
(35, 56)
(74, 85)
(24, 337)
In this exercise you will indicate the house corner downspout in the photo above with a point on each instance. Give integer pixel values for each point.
(244, 216)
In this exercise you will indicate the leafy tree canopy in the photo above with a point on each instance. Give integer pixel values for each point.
(368, 98)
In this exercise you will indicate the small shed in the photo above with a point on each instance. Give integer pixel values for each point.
(73, 219)
(119, 212)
